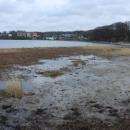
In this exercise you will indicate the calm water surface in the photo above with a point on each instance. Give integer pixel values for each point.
(44, 43)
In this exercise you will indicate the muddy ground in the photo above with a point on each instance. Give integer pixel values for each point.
(79, 89)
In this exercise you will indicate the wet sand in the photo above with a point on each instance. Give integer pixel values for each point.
(71, 89)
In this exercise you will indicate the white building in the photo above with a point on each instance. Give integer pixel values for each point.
(10, 35)
(49, 38)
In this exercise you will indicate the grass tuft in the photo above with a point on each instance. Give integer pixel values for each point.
(52, 73)
(14, 89)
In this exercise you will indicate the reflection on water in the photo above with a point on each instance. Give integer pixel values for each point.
(24, 84)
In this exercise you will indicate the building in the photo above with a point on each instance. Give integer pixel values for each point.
(10, 35)
(67, 36)
(21, 34)
(29, 35)
(4, 34)
(34, 35)
(49, 38)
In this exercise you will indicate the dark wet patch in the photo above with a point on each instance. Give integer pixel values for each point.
(95, 124)
(75, 111)
(12, 110)
(5, 107)
(38, 120)
(113, 112)
(25, 127)
(74, 114)
(98, 106)
(3, 119)
(52, 74)
(104, 109)
(40, 111)
(91, 102)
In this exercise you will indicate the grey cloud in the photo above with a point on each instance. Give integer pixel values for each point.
(45, 15)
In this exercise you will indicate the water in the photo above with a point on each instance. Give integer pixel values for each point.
(44, 43)
(31, 79)
(25, 84)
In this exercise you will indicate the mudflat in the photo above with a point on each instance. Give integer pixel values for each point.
(84, 88)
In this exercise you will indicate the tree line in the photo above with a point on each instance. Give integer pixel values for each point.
(112, 33)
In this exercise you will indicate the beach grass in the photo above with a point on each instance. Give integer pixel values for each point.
(14, 89)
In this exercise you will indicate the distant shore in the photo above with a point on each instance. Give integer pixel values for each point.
(27, 56)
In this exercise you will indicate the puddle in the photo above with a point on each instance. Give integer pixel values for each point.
(59, 63)
(37, 74)
(27, 86)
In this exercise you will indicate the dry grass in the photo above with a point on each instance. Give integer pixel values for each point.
(52, 74)
(14, 89)
(108, 51)
(28, 56)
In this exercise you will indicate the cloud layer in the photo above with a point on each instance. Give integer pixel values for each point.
(56, 15)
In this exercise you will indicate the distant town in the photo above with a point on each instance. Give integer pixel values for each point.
(23, 35)
(111, 33)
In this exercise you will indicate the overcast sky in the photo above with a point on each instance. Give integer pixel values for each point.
(56, 15)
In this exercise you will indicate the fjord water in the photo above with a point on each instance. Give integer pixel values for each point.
(44, 43)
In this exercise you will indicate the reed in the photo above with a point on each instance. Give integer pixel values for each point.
(14, 89)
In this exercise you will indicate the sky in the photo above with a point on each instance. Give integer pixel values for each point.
(61, 15)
